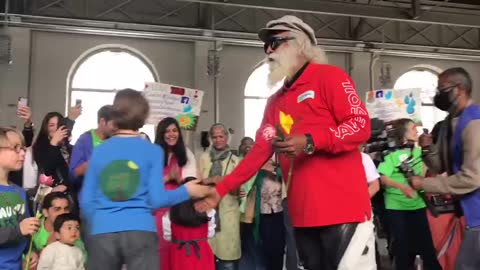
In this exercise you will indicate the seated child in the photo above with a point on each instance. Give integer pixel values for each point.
(15, 224)
(189, 231)
(63, 254)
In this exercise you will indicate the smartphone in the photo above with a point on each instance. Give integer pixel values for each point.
(78, 102)
(22, 102)
(63, 122)
(425, 131)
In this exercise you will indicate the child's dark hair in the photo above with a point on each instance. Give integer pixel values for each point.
(50, 197)
(58, 223)
(184, 214)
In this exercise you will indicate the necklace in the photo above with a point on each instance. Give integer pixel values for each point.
(127, 133)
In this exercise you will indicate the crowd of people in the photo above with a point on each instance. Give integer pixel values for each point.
(300, 190)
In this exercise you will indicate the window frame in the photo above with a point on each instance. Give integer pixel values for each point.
(422, 68)
(99, 49)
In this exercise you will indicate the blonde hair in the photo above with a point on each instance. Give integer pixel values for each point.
(3, 136)
(314, 54)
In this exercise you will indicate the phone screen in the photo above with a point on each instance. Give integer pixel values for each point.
(22, 101)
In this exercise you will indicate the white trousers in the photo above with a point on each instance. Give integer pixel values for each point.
(360, 253)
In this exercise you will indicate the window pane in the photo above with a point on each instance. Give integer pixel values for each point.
(112, 70)
(424, 79)
(91, 103)
(427, 81)
(106, 70)
(253, 115)
(257, 83)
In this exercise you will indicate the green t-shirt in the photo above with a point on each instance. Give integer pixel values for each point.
(394, 197)
(41, 237)
(95, 139)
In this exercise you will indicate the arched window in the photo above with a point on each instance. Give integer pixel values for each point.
(426, 79)
(257, 92)
(97, 76)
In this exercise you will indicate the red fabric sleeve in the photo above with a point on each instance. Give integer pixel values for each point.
(259, 154)
(352, 127)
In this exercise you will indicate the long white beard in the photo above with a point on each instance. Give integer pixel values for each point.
(282, 65)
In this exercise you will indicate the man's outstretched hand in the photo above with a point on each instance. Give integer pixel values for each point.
(416, 182)
(209, 202)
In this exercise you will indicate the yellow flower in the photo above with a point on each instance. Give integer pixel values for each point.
(286, 121)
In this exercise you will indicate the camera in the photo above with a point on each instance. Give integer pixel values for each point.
(381, 141)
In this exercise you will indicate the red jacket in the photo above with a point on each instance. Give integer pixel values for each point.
(327, 187)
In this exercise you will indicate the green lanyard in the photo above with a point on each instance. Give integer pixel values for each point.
(95, 139)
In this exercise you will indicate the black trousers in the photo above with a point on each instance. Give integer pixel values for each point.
(322, 248)
(272, 245)
(411, 236)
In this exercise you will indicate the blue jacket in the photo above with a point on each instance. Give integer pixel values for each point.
(82, 151)
(124, 184)
(470, 202)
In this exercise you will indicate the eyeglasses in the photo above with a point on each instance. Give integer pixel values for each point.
(275, 42)
(447, 88)
(17, 148)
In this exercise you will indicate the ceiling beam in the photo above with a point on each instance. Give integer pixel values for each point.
(352, 9)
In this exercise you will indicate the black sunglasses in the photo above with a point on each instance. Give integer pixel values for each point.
(275, 42)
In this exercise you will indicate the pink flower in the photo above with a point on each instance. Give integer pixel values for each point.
(45, 180)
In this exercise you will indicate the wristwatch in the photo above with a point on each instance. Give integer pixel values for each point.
(309, 146)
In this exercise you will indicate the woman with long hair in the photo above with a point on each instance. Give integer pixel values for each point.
(179, 164)
(52, 150)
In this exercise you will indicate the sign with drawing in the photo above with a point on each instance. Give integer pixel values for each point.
(167, 100)
(392, 104)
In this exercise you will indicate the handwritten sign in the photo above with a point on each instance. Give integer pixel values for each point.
(166, 100)
(392, 104)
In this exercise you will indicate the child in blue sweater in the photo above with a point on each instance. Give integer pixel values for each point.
(122, 186)
(15, 223)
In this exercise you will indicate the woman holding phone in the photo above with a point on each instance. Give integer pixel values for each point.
(52, 149)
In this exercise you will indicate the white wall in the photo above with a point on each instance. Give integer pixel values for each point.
(42, 60)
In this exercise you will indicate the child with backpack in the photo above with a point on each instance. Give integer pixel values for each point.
(189, 232)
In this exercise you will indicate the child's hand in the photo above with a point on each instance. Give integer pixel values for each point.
(196, 189)
(408, 191)
(29, 226)
(33, 261)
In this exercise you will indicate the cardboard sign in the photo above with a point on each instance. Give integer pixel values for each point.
(181, 103)
(392, 104)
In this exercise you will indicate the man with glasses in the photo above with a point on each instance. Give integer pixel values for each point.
(456, 158)
(316, 123)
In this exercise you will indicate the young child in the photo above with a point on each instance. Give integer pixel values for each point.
(63, 254)
(54, 204)
(15, 223)
(122, 186)
(189, 231)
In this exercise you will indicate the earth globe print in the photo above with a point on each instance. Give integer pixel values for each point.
(120, 180)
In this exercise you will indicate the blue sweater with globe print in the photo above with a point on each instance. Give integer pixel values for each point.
(123, 184)
(13, 209)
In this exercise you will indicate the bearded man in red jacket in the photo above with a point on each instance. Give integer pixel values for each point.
(316, 123)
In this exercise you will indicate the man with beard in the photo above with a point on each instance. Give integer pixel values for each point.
(455, 157)
(82, 151)
(316, 123)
